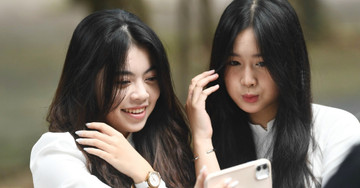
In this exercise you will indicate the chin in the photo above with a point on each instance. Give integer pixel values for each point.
(137, 128)
(250, 109)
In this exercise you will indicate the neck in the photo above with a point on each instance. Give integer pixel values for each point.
(262, 119)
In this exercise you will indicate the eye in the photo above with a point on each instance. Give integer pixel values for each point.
(151, 78)
(261, 64)
(123, 82)
(234, 63)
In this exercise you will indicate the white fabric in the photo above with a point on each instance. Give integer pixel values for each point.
(56, 162)
(144, 184)
(335, 131)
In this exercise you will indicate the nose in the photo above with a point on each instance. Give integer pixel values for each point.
(139, 93)
(248, 78)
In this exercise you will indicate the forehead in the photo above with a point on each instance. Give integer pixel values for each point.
(245, 43)
(138, 60)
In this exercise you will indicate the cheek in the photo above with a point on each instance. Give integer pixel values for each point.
(112, 117)
(119, 97)
(230, 79)
(271, 87)
(154, 92)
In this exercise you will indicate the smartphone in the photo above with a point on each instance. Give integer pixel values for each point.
(253, 174)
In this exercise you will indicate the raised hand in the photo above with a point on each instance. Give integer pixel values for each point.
(110, 145)
(195, 104)
(200, 122)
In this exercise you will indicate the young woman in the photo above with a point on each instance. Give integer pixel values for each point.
(260, 103)
(115, 97)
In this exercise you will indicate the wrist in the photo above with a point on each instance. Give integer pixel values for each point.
(200, 142)
(202, 146)
(153, 180)
(201, 135)
(141, 174)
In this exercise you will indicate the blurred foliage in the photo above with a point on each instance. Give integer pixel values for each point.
(311, 15)
(135, 6)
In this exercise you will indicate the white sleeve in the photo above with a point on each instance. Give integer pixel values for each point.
(57, 162)
(340, 132)
(144, 184)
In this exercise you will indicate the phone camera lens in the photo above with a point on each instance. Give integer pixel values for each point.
(258, 168)
(264, 166)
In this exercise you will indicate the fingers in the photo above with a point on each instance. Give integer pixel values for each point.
(206, 92)
(199, 87)
(196, 88)
(92, 134)
(101, 131)
(228, 183)
(101, 137)
(93, 142)
(196, 79)
(102, 127)
(201, 178)
(199, 77)
(98, 152)
(233, 184)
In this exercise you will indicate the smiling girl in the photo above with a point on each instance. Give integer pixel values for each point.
(115, 120)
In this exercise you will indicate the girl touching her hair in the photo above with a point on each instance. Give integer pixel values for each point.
(115, 120)
(255, 102)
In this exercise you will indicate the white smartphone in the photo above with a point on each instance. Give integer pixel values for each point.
(253, 174)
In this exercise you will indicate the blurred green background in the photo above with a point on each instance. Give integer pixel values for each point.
(34, 36)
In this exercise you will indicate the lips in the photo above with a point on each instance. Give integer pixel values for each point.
(134, 111)
(138, 113)
(250, 98)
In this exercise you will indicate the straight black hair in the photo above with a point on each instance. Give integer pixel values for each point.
(282, 46)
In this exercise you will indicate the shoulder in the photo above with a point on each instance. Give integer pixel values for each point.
(53, 148)
(322, 111)
(56, 161)
(333, 124)
(330, 117)
(54, 142)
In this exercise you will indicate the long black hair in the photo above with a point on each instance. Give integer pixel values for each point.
(282, 46)
(97, 51)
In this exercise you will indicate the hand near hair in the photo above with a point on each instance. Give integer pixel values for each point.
(110, 145)
(195, 104)
(200, 122)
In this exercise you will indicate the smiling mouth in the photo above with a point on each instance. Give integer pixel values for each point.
(134, 111)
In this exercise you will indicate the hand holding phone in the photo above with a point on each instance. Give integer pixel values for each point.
(253, 174)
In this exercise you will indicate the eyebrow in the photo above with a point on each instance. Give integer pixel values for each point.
(125, 72)
(238, 55)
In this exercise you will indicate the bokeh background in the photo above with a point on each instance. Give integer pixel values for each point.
(34, 36)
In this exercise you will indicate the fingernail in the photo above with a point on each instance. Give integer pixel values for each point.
(227, 180)
(87, 124)
(233, 184)
(202, 169)
(79, 132)
(79, 140)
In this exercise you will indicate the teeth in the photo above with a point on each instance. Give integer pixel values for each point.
(134, 111)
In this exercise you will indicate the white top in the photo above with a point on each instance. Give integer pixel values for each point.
(335, 131)
(56, 161)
